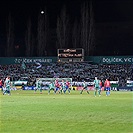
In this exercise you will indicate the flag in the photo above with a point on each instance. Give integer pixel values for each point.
(23, 66)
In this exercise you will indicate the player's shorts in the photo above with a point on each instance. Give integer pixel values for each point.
(0, 87)
(51, 88)
(4, 89)
(8, 88)
(35, 88)
(39, 88)
(85, 88)
(67, 87)
(63, 88)
(8, 91)
(107, 88)
(97, 88)
(57, 88)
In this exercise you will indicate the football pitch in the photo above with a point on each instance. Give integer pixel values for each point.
(26, 112)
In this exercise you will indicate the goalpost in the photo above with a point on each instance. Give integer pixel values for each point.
(53, 79)
(46, 81)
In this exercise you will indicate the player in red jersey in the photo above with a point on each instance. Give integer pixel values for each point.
(57, 86)
(101, 86)
(1, 84)
(107, 87)
(67, 87)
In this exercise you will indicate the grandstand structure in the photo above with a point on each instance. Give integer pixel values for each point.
(115, 68)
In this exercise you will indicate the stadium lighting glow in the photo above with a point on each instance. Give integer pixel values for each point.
(42, 12)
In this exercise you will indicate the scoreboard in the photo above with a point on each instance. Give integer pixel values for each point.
(70, 55)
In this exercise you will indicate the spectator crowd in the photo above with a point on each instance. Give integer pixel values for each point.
(78, 71)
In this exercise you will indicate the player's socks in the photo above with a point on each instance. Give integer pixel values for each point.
(69, 91)
(64, 91)
(81, 92)
(60, 91)
(35, 90)
(95, 93)
(4, 92)
(49, 91)
(88, 92)
(99, 93)
(40, 91)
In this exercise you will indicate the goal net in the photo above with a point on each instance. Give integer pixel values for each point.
(46, 81)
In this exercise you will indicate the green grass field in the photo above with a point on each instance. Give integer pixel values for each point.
(26, 112)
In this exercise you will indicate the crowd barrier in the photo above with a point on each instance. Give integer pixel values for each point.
(125, 88)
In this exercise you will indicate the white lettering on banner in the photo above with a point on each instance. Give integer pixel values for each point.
(27, 60)
(30, 60)
(128, 59)
(112, 60)
(29, 88)
(42, 60)
(69, 50)
(117, 60)
(18, 60)
(114, 82)
(130, 81)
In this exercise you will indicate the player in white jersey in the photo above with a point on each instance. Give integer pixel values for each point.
(7, 85)
(38, 86)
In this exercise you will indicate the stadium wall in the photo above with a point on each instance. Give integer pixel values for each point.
(91, 59)
(110, 59)
(29, 60)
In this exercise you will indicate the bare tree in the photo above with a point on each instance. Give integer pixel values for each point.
(59, 33)
(10, 37)
(91, 31)
(42, 36)
(76, 34)
(63, 29)
(83, 27)
(87, 27)
(29, 39)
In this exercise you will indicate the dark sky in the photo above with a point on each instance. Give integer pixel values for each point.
(104, 11)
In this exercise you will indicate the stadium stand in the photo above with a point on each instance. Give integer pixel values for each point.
(78, 71)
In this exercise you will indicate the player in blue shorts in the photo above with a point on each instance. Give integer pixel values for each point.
(57, 86)
(63, 86)
(67, 87)
(107, 87)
